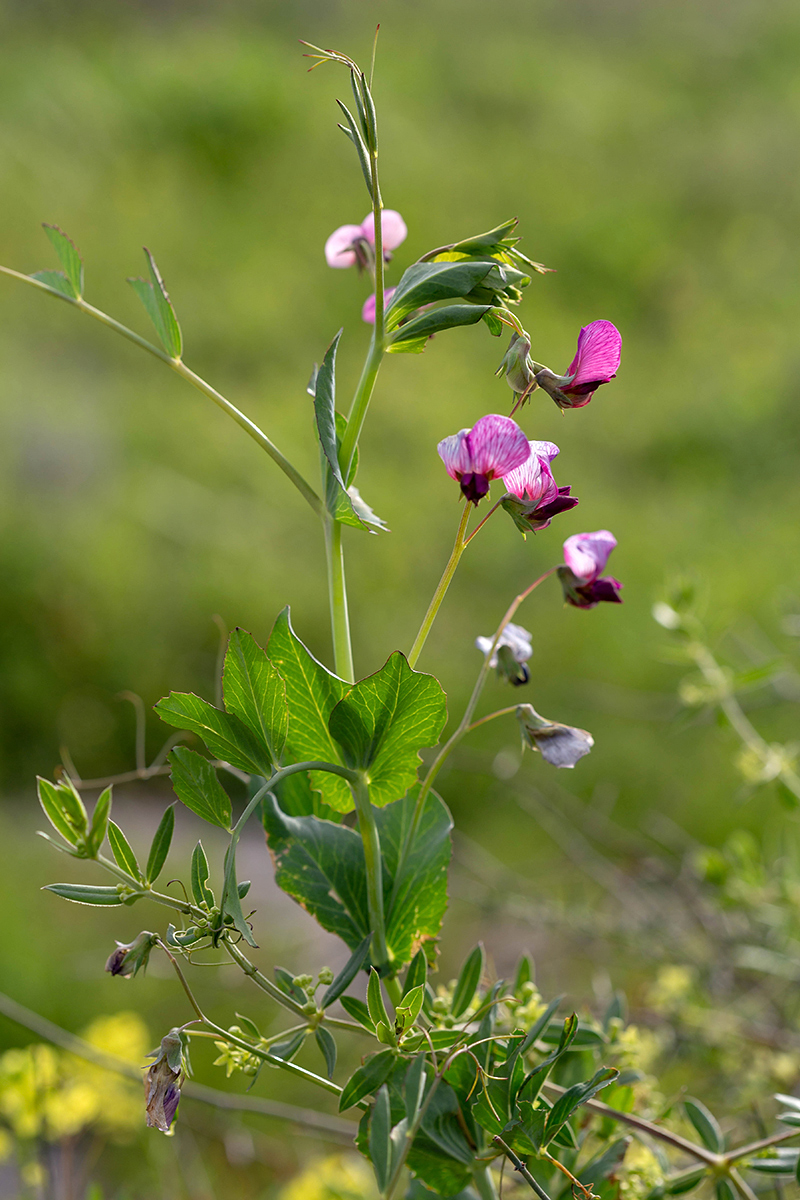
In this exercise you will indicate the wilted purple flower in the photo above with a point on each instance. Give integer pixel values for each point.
(348, 244)
(596, 362)
(491, 449)
(130, 957)
(560, 745)
(510, 655)
(164, 1080)
(368, 311)
(585, 556)
(538, 497)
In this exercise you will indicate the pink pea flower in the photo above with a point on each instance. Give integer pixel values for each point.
(491, 449)
(368, 311)
(350, 244)
(596, 362)
(585, 556)
(533, 485)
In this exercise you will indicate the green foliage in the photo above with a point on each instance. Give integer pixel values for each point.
(383, 720)
(159, 848)
(225, 735)
(321, 865)
(254, 692)
(196, 785)
(156, 301)
(122, 851)
(330, 430)
(70, 259)
(311, 695)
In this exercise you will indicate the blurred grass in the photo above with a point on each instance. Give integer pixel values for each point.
(650, 154)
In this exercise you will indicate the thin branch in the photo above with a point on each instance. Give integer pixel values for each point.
(519, 1166)
(663, 1135)
(333, 1128)
(177, 365)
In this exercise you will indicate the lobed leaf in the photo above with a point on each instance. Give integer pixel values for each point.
(311, 695)
(382, 722)
(255, 693)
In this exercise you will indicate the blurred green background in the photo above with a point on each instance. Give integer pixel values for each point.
(650, 152)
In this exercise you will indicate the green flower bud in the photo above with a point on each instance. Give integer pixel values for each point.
(130, 957)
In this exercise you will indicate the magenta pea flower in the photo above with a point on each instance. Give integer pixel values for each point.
(351, 244)
(596, 362)
(368, 311)
(585, 556)
(538, 498)
(492, 448)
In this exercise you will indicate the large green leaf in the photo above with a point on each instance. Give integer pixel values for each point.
(382, 722)
(196, 785)
(255, 693)
(225, 735)
(412, 337)
(427, 283)
(311, 695)
(321, 866)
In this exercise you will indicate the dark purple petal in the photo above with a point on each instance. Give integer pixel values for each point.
(474, 486)
(561, 503)
(607, 589)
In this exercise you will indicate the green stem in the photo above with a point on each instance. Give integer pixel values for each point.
(366, 384)
(337, 596)
(519, 1166)
(463, 724)
(372, 858)
(261, 981)
(228, 1100)
(484, 1183)
(181, 369)
(441, 590)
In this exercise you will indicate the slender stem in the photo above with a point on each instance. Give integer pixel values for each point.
(182, 978)
(441, 590)
(656, 1131)
(519, 1166)
(261, 981)
(372, 858)
(763, 1144)
(358, 409)
(713, 672)
(181, 369)
(337, 596)
(501, 712)
(742, 1186)
(480, 526)
(463, 726)
(335, 1126)
(226, 1036)
(484, 1183)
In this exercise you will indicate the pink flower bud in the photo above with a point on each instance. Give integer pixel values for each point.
(585, 556)
(491, 449)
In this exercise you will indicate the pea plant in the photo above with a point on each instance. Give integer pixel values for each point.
(458, 1080)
